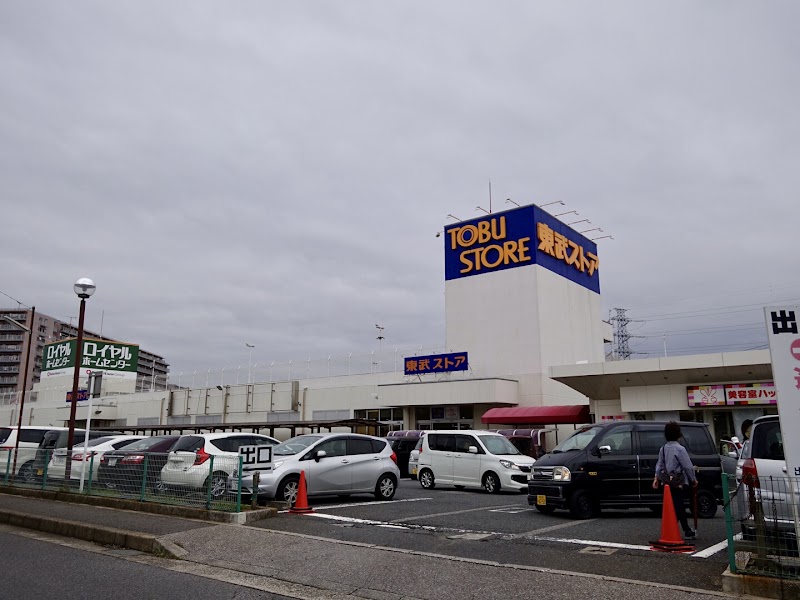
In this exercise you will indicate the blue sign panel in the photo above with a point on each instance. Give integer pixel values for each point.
(436, 363)
(516, 238)
(82, 395)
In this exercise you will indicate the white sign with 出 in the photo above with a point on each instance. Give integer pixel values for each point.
(256, 458)
(784, 348)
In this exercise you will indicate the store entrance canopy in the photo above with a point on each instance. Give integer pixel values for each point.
(538, 415)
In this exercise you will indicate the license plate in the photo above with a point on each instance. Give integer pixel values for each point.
(414, 470)
(40, 471)
(541, 500)
(59, 460)
(112, 462)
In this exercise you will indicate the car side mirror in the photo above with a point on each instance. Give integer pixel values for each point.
(320, 454)
(473, 449)
(604, 449)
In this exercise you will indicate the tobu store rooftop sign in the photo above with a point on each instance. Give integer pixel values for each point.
(516, 238)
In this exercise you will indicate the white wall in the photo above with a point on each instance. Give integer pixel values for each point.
(518, 322)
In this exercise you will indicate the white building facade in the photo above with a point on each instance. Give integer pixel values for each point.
(524, 333)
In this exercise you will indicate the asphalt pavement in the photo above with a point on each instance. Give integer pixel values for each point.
(438, 544)
(34, 569)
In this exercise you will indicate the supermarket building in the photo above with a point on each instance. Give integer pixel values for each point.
(524, 348)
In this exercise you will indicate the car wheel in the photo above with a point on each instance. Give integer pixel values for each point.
(219, 484)
(385, 488)
(706, 504)
(580, 506)
(158, 487)
(547, 509)
(426, 479)
(491, 483)
(287, 491)
(26, 472)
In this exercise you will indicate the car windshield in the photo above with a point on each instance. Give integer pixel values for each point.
(578, 440)
(497, 444)
(100, 440)
(294, 445)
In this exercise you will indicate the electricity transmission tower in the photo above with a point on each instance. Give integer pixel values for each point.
(621, 350)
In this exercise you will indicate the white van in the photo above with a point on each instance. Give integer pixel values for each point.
(29, 439)
(472, 459)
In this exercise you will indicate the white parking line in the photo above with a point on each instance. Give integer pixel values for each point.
(388, 524)
(712, 550)
(351, 504)
(457, 512)
(594, 543)
(533, 532)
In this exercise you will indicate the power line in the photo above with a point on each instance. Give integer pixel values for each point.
(714, 347)
(14, 299)
(704, 312)
(735, 292)
(685, 332)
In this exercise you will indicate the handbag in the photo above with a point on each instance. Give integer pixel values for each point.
(671, 478)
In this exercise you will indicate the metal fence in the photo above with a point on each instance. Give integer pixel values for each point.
(192, 479)
(762, 517)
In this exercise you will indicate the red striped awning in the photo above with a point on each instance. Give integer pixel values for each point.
(538, 415)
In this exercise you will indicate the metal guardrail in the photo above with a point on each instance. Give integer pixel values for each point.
(762, 519)
(183, 479)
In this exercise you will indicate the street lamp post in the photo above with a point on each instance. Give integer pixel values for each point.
(24, 382)
(84, 288)
(250, 362)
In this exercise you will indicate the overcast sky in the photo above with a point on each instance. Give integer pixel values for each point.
(275, 172)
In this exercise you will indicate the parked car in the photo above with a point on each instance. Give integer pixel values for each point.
(123, 469)
(58, 438)
(29, 439)
(766, 486)
(403, 443)
(334, 464)
(96, 448)
(530, 442)
(730, 452)
(188, 466)
(413, 459)
(472, 459)
(613, 466)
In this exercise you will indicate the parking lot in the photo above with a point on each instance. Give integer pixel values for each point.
(504, 528)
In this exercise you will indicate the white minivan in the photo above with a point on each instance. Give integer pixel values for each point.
(472, 459)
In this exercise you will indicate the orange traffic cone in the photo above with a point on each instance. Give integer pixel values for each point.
(671, 539)
(301, 504)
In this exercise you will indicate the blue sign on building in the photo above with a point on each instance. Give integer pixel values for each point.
(516, 238)
(83, 394)
(436, 363)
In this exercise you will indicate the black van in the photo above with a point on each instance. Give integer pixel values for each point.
(613, 465)
(56, 439)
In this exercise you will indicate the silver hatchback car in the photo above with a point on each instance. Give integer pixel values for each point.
(335, 464)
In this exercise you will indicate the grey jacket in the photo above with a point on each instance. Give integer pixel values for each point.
(675, 458)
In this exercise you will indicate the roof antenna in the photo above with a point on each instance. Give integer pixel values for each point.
(490, 195)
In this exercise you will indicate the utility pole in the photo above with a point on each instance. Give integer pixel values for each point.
(380, 337)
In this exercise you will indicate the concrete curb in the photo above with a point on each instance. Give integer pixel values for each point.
(108, 536)
(188, 512)
(759, 586)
